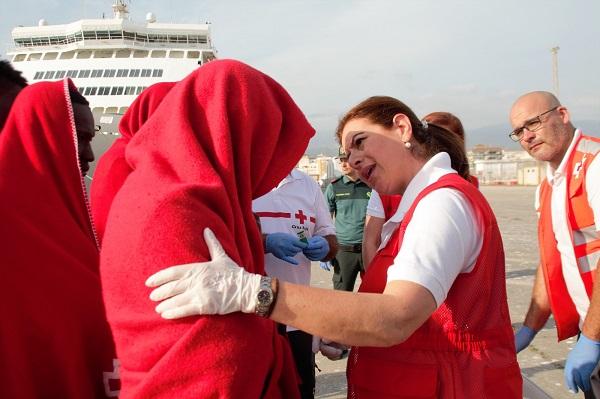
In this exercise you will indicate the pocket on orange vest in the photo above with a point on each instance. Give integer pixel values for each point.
(503, 382)
(382, 378)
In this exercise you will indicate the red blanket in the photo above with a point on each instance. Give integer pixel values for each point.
(224, 135)
(112, 168)
(54, 338)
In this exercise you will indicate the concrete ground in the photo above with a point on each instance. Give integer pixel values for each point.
(543, 361)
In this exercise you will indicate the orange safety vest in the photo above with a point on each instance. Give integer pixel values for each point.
(466, 348)
(586, 243)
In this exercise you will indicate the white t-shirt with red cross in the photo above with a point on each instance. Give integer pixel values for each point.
(296, 205)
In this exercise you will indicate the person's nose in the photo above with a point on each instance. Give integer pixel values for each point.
(528, 135)
(355, 160)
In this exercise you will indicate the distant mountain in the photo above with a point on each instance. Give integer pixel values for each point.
(495, 135)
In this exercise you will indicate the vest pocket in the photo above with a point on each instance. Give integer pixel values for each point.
(382, 378)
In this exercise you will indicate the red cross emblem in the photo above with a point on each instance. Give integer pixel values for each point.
(300, 216)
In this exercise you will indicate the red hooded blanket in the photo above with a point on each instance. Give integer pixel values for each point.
(112, 168)
(54, 338)
(224, 135)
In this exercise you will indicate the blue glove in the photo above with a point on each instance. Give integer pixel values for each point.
(325, 266)
(284, 246)
(317, 248)
(523, 338)
(580, 364)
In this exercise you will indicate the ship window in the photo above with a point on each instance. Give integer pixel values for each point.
(58, 39)
(71, 74)
(130, 90)
(122, 73)
(146, 73)
(87, 91)
(159, 54)
(49, 75)
(114, 91)
(102, 34)
(34, 56)
(134, 73)
(157, 73)
(89, 34)
(112, 110)
(23, 42)
(67, 55)
(19, 58)
(129, 35)
(38, 75)
(40, 41)
(103, 54)
(84, 73)
(109, 73)
(60, 74)
(176, 54)
(139, 90)
(93, 91)
(116, 34)
(122, 110)
(119, 90)
(140, 53)
(162, 38)
(141, 37)
(123, 54)
(84, 54)
(81, 89)
(50, 56)
(97, 110)
(103, 91)
(193, 54)
(96, 73)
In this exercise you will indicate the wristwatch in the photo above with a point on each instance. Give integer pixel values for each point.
(265, 298)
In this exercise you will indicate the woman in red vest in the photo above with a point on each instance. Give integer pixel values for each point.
(431, 318)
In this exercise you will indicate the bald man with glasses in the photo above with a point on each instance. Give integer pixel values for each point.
(568, 205)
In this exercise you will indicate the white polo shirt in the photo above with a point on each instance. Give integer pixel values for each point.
(375, 206)
(558, 182)
(296, 205)
(443, 238)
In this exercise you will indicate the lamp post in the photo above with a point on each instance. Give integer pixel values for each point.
(554, 51)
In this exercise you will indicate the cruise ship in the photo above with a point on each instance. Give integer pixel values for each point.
(111, 60)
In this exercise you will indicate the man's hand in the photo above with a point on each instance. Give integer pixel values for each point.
(218, 286)
(580, 364)
(523, 338)
(284, 246)
(317, 248)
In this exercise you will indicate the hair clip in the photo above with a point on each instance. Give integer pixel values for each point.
(424, 124)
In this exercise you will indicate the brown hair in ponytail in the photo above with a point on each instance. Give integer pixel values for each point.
(430, 138)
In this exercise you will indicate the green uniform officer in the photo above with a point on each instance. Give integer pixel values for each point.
(348, 197)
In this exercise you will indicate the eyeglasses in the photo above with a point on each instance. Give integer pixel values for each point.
(532, 125)
(97, 128)
(343, 159)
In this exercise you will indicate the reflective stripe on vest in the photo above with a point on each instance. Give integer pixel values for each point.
(585, 239)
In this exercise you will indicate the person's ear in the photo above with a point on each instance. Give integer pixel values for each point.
(402, 125)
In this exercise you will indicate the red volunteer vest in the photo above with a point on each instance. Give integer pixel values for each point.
(466, 348)
(586, 243)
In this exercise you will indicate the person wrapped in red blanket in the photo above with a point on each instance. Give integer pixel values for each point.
(224, 135)
(55, 341)
(112, 168)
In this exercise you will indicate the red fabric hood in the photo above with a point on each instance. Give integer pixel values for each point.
(112, 168)
(224, 135)
(54, 338)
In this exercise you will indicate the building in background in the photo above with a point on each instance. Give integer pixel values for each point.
(494, 165)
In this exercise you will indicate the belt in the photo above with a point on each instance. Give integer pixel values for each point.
(350, 248)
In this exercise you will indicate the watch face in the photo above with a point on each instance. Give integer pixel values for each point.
(265, 297)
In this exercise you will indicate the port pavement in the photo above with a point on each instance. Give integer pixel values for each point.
(543, 361)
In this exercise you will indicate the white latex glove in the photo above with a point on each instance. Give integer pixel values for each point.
(218, 286)
(332, 350)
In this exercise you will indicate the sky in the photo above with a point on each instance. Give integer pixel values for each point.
(471, 57)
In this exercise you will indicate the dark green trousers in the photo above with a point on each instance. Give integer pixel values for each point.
(346, 266)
